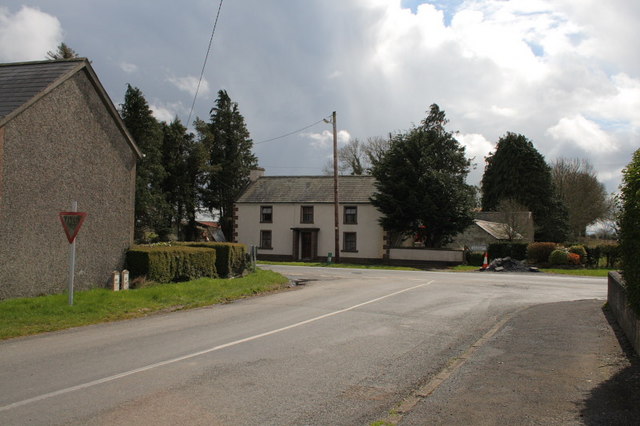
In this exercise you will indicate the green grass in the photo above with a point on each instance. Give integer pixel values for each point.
(26, 316)
(579, 272)
(341, 265)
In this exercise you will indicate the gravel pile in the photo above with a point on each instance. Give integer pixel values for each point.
(507, 264)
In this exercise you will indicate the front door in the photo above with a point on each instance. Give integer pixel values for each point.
(305, 246)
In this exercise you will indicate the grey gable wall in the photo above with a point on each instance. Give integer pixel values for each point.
(64, 147)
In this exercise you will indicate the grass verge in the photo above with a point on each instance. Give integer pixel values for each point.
(579, 272)
(26, 316)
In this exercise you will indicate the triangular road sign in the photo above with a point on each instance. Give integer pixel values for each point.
(71, 222)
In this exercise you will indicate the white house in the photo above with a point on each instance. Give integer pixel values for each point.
(292, 218)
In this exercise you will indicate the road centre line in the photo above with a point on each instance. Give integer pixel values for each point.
(203, 352)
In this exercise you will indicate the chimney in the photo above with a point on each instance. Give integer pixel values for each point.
(256, 174)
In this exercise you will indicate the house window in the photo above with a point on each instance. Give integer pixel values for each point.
(349, 242)
(306, 214)
(266, 214)
(265, 239)
(351, 215)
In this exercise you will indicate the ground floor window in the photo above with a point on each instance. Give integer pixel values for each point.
(265, 239)
(349, 241)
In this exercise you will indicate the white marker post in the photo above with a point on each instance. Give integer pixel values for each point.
(71, 222)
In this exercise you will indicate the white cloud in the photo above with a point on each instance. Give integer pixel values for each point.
(28, 34)
(128, 68)
(584, 133)
(324, 140)
(167, 112)
(189, 84)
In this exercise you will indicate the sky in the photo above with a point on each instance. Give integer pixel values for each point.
(564, 73)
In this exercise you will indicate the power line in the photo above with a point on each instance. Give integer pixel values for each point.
(289, 134)
(206, 57)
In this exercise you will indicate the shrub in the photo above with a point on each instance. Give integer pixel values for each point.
(559, 257)
(580, 251)
(540, 252)
(593, 256)
(475, 258)
(611, 253)
(513, 250)
(630, 229)
(231, 257)
(574, 258)
(165, 264)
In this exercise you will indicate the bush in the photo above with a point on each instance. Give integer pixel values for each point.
(580, 251)
(630, 229)
(593, 256)
(513, 250)
(559, 257)
(475, 258)
(611, 253)
(165, 263)
(574, 258)
(540, 252)
(231, 257)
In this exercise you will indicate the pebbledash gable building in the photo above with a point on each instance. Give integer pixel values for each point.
(61, 140)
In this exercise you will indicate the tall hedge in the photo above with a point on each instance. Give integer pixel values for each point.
(630, 229)
(514, 250)
(167, 264)
(231, 257)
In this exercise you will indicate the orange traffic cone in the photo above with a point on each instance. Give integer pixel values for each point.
(485, 262)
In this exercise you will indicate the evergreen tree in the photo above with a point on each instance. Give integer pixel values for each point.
(517, 171)
(230, 159)
(630, 229)
(151, 206)
(420, 182)
(62, 52)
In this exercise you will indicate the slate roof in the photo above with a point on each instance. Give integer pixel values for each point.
(496, 230)
(20, 82)
(23, 83)
(308, 189)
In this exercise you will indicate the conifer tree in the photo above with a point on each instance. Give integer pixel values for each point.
(231, 160)
(420, 182)
(517, 171)
(151, 205)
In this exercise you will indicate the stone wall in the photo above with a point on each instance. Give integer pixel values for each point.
(619, 305)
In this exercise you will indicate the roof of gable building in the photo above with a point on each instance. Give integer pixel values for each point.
(308, 189)
(497, 230)
(24, 83)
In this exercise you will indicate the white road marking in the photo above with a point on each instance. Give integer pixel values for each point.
(203, 352)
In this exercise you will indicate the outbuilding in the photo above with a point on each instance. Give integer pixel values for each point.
(61, 140)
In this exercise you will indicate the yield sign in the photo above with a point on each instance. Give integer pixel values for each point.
(71, 222)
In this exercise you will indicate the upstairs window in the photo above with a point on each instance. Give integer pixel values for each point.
(351, 215)
(306, 214)
(266, 214)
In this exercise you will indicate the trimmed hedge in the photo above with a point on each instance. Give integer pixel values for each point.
(540, 252)
(580, 251)
(513, 250)
(231, 257)
(170, 263)
(475, 258)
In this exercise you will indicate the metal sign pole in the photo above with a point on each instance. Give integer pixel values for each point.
(72, 259)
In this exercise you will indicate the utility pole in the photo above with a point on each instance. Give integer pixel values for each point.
(336, 208)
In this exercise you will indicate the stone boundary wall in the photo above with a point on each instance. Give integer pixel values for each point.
(625, 316)
(426, 255)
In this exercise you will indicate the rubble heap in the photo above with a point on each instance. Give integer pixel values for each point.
(507, 264)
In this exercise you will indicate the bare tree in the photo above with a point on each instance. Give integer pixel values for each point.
(585, 197)
(513, 216)
(356, 157)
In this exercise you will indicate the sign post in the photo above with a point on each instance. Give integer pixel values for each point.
(71, 222)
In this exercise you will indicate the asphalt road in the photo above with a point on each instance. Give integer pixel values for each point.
(344, 348)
